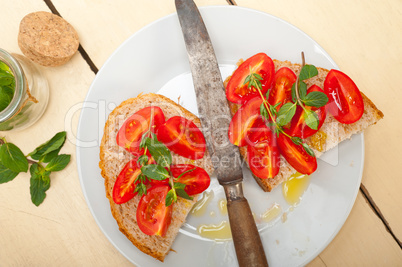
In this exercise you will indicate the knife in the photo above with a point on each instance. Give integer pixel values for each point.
(215, 116)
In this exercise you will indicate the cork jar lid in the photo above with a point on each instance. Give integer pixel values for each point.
(47, 39)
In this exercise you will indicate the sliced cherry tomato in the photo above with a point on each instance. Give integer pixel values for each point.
(298, 126)
(282, 88)
(123, 189)
(237, 91)
(263, 153)
(153, 217)
(124, 186)
(130, 134)
(196, 181)
(345, 100)
(246, 118)
(182, 137)
(296, 156)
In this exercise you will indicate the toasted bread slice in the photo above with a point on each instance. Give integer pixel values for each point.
(112, 160)
(330, 135)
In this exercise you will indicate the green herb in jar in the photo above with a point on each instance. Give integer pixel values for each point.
(7, 86)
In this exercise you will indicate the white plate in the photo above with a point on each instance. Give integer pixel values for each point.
(155, 60)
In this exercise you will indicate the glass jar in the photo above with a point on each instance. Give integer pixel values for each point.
(31, 93)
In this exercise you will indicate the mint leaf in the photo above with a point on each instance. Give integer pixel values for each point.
(285, 114)
(141, 189)
(307, 72)
(6, 95)
(58, 163)
(179, 187)
(308, 150)
(311, 118)
(264, 112)
(13, 158)
(4, 66)
(183, 173)
(170, 197)
(6, 78)
(142, 160)
(49, 156)
(294, 97)
(40, 183)
(159, 152)
(155, 172)
(315, 99)
(297, 140)
(6, 174)
(302, 90)
(53, 144)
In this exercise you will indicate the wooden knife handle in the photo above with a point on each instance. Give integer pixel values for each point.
(246, 239)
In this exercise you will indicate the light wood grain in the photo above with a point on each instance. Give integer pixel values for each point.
(364, 40)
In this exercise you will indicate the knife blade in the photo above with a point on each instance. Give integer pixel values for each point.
(215, 116)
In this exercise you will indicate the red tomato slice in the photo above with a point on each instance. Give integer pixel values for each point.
(263, 153)
(345, 100)
(298, 126)
(153, 217)
(123, 189)
(282, 88)
(130, 134)
(196, 181)
(296, 156)
(237, 91)
(182, 137)
(246, 118)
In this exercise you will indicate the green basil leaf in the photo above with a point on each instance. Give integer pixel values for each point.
(53, 144)
(155, 172)
(285, 114)
(307, 72)
(13, 158)
(302, 90)
(311, 119)
(6, 174)
(40, 183)
(170, 197)
(315, 99)
(58, 163)
(159, 152)
(308, 150)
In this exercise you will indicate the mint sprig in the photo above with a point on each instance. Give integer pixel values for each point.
(159, 171)
(276, 120)
(13, 162)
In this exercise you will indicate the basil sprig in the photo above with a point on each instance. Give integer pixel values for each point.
(13, 161)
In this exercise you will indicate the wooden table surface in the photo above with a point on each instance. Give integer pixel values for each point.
(363, 37)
